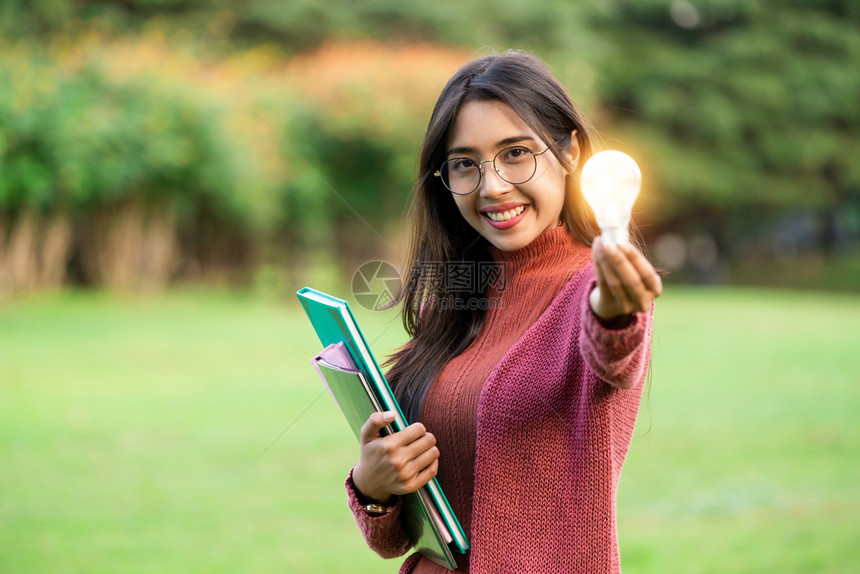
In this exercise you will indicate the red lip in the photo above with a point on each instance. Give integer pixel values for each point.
(504, 224)
(501, 207)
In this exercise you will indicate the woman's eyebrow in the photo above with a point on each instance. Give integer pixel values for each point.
(499, 144)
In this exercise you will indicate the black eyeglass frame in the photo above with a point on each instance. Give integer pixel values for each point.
(481, 163)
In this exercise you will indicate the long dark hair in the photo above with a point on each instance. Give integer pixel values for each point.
(439, 232)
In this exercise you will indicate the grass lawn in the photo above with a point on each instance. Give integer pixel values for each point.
(188, 433)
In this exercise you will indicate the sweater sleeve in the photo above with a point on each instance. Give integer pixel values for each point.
(618, 356)
(384, 534)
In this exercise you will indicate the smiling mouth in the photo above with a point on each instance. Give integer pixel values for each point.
(501, 216)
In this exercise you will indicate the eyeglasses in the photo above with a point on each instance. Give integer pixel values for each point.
(515, 165)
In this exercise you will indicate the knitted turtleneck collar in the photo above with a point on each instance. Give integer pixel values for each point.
(550, 249)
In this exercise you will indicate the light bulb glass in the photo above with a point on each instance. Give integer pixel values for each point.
(610, 182)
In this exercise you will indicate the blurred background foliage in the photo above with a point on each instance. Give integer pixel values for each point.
(149, 142)
(270, 144)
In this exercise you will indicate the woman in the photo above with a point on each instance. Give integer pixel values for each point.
(526, 379)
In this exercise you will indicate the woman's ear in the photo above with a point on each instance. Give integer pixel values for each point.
(573, 154)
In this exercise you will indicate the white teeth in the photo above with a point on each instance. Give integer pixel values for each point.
(506, 215)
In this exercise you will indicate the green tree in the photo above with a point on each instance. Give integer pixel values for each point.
(106, 172)
(738, 106)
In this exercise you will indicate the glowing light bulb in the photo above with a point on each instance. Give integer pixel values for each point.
(610, 182)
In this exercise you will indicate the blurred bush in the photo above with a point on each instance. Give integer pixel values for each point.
(115, 177)
(222, 138)
(356, 121)
(302, 25)
(126, 163)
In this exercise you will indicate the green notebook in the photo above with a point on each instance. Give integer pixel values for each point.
(359, 388)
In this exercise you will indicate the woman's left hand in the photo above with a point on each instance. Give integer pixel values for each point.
(626, 280)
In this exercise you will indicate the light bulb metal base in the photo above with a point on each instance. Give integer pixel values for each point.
(615, 235)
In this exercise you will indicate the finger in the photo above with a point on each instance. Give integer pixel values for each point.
(425, 459)
(419, 446)
(409, 435)
(629, 264)
(424, 476)
(649, 276)
(372, 428)
(628, 274)
(611, 284)
(641, 280)
(596, 255)
(408, 464)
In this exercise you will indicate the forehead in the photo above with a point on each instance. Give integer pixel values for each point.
(482, 125)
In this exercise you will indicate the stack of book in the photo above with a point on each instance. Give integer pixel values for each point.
(358, 386)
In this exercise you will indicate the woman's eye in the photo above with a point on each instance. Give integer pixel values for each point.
(516, 154)
(462, 164)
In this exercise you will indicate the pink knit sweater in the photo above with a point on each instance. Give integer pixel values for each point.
(553, 427)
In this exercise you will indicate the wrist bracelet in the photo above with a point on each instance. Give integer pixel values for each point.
(376, 509)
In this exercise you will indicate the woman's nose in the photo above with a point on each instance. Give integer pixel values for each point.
(492, 183)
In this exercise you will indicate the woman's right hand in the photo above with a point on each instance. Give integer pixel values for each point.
(394, 464)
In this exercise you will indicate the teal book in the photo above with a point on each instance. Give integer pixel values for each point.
(358, 386)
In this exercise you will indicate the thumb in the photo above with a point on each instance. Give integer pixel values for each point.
(375, 424)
